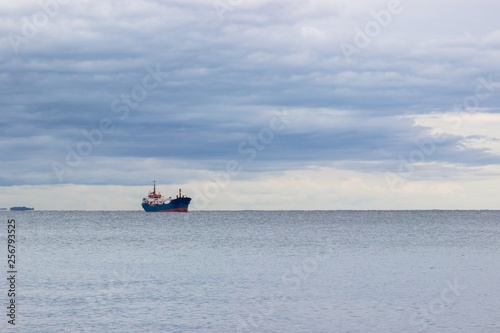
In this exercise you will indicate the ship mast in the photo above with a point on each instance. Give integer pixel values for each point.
(154, 186)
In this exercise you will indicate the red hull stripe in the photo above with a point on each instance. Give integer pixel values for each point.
(180, 210)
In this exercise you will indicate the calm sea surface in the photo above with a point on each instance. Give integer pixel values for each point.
(255, 271)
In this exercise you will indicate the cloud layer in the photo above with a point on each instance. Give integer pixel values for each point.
(100, 93)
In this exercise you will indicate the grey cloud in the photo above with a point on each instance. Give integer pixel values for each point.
(224, 79)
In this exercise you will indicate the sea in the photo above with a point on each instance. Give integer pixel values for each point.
(251, 271)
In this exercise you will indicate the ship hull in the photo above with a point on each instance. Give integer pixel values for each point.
(176, 205)
(21, 209)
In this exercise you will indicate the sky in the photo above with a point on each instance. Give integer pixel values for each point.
(250, 104)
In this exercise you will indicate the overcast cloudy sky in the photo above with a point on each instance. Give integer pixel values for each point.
(251, 104)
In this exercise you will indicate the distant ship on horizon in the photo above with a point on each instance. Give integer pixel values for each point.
(155, 202)
(20, 209)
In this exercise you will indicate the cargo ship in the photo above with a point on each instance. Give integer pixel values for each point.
(155, 202)
(21, 209)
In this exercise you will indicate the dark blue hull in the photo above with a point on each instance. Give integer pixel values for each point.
(176, 205)
(21, 209)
